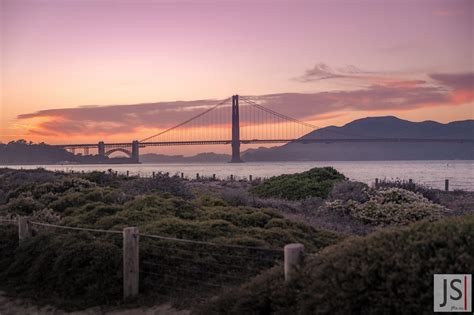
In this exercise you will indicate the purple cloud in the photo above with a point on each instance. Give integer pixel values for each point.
(120, 119)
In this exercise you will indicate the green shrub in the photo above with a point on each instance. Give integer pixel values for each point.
(393, 206)
(385, 273)
(67, 269)
(316, 182)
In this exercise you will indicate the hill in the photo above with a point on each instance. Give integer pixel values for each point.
(376, 127)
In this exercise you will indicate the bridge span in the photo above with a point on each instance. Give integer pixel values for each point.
(264, 117)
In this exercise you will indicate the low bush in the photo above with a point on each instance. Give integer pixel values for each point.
(316, 182)
(392, 206)
(427, 192)
(384, 273)
(207, 219)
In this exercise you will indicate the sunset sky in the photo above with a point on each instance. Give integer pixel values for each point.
(66, 65)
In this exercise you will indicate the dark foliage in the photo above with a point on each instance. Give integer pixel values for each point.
(384, 273)
(66, 269)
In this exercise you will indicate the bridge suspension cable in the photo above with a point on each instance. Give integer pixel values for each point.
(345, 134)
(186, 121)
(257, 122)
(265, 109)
(303, 123)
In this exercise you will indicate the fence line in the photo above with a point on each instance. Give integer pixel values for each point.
(442, 184)
(216, 254)
(208, 243)
(178, 265)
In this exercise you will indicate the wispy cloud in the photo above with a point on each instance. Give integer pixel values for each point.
(322, 71)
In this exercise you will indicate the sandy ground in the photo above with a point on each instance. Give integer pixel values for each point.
(9, 306)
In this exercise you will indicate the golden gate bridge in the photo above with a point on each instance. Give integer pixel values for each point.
(249, 122)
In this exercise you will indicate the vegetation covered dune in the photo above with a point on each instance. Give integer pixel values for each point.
(247, 225)
(78, 269)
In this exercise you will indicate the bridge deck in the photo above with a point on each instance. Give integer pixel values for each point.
(260, 141)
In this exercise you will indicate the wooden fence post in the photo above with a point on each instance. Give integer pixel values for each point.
(153, 174)
(231, 177)
(213, 176)
(131, 272)
(24, 228)
(182, 175)
(250, 178)
(294, 254)
(128, 173)
(197, 176)
(376, 183)
(446, 184)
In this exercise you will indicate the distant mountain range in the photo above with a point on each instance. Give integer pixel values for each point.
(376, 127)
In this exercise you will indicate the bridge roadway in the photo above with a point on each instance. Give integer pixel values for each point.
(259, 141)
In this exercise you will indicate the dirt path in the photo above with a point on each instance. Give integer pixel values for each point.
(9, 306)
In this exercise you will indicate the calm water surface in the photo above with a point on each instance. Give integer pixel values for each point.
(432, 173)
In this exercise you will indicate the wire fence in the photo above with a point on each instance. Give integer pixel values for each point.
(68, 235)
(178, 270)
(71, 228)
(191, 271)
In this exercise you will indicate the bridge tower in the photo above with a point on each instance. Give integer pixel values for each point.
(101, 148)
(135, 152)
(235, 130)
